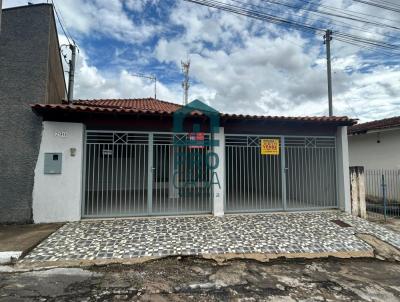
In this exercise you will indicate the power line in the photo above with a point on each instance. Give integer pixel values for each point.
(61, 24)
(63, 21)
(349, 12)
(382, 4)
(306, 27)
(256, 15)
(316, 13)
(332, 14)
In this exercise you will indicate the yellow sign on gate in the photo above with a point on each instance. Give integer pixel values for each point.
(270, 146)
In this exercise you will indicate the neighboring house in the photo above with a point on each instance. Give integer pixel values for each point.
(375, 145)
(146, 157)
(30, 72)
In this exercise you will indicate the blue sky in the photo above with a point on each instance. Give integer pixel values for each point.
(238, 65)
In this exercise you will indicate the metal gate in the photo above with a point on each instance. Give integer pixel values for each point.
(310, 170)
(138, 174)
(302, 176)
(180, 177)
(253, 181)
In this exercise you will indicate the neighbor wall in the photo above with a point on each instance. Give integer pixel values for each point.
(25, 48)
(379, 150)
(57, 197)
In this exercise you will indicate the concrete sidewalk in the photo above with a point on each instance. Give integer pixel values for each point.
(266, 236)
(17, 240)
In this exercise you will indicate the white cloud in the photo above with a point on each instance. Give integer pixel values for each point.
(104, 17)
(238, 64)
(90, 83)
(99, 17)
(282, 74)
(139, 5)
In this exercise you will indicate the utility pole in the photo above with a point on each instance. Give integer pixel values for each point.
(185, 83)
(327, 42)
(71, 77)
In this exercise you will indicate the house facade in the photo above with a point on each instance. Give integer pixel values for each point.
(30, 72)
(146, 157)
(375, 145)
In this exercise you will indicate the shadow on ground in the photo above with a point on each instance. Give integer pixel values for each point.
(196, 279)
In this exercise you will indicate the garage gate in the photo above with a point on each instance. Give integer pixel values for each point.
(301, 177)
(141, 173)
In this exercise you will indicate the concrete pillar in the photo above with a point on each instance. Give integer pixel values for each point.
(357, 189)
(343, 177)
(218, 178)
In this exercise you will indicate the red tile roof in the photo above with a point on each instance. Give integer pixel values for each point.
(375, 125)
(153, 106)
(148, 104)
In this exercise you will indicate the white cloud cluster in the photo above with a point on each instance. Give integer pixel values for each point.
(92, 83)
(238, 65)
(276, 72)
(101, 17)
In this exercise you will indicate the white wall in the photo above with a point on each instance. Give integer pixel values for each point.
(219, 190)
(365, 151)
(57, 197)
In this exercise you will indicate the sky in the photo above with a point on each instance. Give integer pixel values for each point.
(238, 65)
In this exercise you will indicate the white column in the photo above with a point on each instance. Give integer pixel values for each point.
(343, 173)
(57, 197)
(219, 174)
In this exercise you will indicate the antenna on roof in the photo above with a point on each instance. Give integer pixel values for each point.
(185, 83)
(150, 77)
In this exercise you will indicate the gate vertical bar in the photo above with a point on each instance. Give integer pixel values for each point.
(150, 174)
(283, 172)
(84, 185)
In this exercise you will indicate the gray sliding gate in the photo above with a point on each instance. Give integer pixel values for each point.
(301, 177)
(138, 174)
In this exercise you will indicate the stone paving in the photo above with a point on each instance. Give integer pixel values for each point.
(312, 232)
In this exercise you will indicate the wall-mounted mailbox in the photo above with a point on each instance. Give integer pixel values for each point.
(52, 163)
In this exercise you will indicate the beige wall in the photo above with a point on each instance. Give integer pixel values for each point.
(364, 150)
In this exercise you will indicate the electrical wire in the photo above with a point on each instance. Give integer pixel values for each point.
(330, 24)
(59, 17)
(307, 27)
(382, 4)
(349, 12)
(336, 15)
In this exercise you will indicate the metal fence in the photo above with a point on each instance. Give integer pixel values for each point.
(301, 177)
(382, 193)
